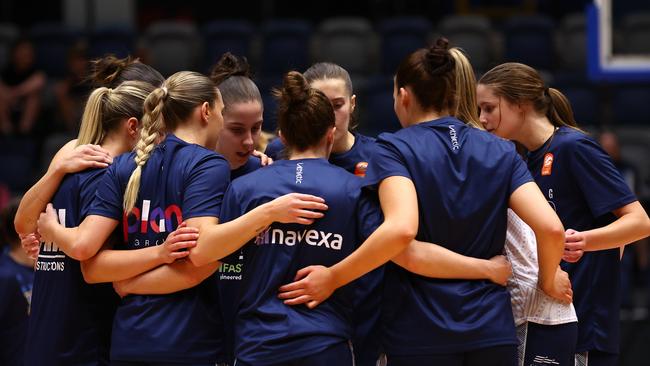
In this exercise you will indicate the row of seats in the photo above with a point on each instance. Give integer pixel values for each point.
(364, 49)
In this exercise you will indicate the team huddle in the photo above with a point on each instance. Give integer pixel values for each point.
(487, 231)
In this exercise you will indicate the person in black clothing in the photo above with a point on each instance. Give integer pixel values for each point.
(20, 91)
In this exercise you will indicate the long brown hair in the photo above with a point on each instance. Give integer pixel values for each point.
(519, 83)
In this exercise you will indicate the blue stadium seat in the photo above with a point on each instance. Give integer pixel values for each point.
(399, 37)
(349, 42)
(17, 160)
(8, 34)
(173, 46)
(530, 40)
(51, 44)
(221, 36)
(376, 103)
(16, 172)
(266, 85)
(474, 34)
(117, 41)
(285, 46)
(629, 105)
(585, 104)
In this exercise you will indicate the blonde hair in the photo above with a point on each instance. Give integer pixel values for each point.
(106, 108)
(466, 106)
(164, 109)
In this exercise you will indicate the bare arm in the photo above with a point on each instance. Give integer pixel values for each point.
(632, 225)
(435, 261)
(399, 204)
(166, 279)
(116, 265)
(173, 277)
(80, 242)
(529, 204)
(290, 208)
(33, 84)
(67, 160)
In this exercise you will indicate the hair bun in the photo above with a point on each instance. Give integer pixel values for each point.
(106, 69)
(438, 57)
(230, 65)
(295, 87)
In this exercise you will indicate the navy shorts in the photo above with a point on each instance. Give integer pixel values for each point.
(490, 356)
(339, 354)
(543, 345)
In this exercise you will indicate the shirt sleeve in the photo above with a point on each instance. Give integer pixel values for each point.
(275, 149)
(369, 215)
(386, 161)
(520, 173)
(205, 187)
(601, 183)
(88, 191)
(108, 197)
(230, 210)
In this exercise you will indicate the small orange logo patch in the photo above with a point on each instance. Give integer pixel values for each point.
(360, 169)
(547, 166)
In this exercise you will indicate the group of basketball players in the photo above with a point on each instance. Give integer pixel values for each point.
(465, 238)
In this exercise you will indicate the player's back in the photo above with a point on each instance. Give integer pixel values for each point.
(266, 328)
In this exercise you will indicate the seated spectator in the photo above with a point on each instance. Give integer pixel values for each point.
(20, 91)
(73, 90)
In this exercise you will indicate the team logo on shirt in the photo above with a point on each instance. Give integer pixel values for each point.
(50, 257)
(311, 237)
(156, 220)
(360, 169)
(547, 165)
(453, 137)
(229, 271)
(299, 173)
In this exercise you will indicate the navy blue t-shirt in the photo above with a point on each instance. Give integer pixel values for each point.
(179, 181)
(354, 160)
(367, 332)
(230, 274)
(24, 274)
(464, 178)
(62, 302)
(253, 163)
(583, 186)
(13, 317)
(266, 330)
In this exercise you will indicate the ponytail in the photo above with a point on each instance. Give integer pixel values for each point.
(559, 111)
(465, 103)
(107, 108)
(91, 130)
(164, 109)
(152, 129)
